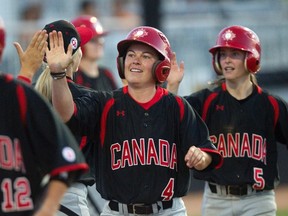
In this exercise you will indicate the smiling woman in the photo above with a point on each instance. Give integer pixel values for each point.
(139, 62)
(245, 123)
(136, 136)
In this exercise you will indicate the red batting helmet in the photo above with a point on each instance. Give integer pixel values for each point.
(2, 37)
(90, 22)
(153, 38)
(242, 38)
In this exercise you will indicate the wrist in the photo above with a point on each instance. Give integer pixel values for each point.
(58, 75)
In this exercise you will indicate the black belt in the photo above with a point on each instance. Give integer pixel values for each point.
(238, 190)
(67, 211)
(141, 208)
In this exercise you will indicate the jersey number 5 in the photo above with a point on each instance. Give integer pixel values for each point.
(258, 178)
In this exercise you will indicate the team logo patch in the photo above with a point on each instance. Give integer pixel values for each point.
(74, 43)
(228, 35)
(68, 154)
(140, 33)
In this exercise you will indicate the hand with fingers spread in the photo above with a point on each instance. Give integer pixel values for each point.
(176, 74)
(57, 59)
(31, 59)
(196, 158)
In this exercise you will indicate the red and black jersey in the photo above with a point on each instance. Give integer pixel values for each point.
(104, 82)
(141, 146)
(245, 132)
(33, 143)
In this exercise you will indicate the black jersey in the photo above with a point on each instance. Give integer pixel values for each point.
(104, 82)
(141, 146)
(33, 143)
(85, 141)
(245, 132)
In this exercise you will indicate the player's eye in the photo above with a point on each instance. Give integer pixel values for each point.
(130, 54)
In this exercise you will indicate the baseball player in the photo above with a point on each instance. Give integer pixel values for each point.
(90, 73)
(147, 138)
(245, 123)
(74, 201)
(39, 156)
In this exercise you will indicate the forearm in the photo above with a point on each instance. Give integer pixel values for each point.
(62, 99)
(55, 192)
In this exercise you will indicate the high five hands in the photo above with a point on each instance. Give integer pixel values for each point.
(58, 60)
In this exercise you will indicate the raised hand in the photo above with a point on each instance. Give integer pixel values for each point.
(57, 59)
(31, 59)
(176, 74)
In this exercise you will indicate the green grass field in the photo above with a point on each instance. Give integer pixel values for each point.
(282, 213)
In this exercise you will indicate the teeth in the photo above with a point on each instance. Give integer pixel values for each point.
(228, 68)
(135, 70)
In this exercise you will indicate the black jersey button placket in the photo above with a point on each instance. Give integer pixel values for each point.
(146, 114)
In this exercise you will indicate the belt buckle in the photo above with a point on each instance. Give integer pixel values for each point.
(229, 190)
(237, 190)
(134, 206)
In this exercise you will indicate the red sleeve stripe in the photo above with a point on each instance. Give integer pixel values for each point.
(207, 104)
(22, 102)
(276, 108)
(181, 107)
(69, 168)
(106, 109)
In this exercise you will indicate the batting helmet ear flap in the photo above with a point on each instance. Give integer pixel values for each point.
(161, 70)
(216, 63)
(252, 62)
(120, 66)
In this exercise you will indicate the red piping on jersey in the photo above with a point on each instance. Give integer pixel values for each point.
(125, 89)
(22, 102)
(224, 88)
(106, 109)
(75, 110)
(259, 90)
(69, 79)
(207, 104)
(79, 78)
(160, 92)
(8, 77)
(83, 142)
(276, 108)
(181, 107)
(25, 79)
(69, 168)
(217, 166)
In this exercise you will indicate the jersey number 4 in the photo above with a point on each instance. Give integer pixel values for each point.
(168, 191)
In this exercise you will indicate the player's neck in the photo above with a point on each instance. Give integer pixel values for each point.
(240, 90)
(142, 95)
